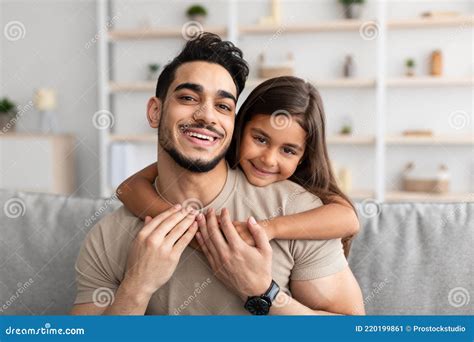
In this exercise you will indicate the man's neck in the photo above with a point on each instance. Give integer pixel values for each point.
(177, 184)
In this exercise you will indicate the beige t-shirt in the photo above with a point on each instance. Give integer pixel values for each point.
(193, 289)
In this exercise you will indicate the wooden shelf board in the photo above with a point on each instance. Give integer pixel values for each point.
(134, 138)
(334, 83)
(400, 196)
(427, 22)
(430, 81)
(361, 194)
(155, 33)
(412, 140)
(141, 86)
(325, 26)
(350, 139)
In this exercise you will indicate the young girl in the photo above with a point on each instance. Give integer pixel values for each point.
(278, 110)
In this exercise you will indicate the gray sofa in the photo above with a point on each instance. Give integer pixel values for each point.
(410, 258)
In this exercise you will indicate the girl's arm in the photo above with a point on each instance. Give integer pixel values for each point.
(330, 221)
(138, 194)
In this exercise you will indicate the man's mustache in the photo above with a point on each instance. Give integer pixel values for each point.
(200, 126)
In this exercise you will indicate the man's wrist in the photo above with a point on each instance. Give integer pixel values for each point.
(258, 291)
(137, 294)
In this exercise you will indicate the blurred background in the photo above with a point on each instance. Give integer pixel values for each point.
(396, 79)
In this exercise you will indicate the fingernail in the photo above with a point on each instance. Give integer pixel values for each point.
(177, 206)
(200, 216)
(252, 220)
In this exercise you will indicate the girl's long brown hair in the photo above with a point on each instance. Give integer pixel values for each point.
(299, 100)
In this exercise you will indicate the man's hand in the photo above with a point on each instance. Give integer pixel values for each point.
(155, 252)
(244, 269)
(243, 229)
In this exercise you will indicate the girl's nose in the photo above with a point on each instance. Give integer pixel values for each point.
(269, 158)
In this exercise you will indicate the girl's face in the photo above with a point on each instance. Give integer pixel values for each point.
(269, 153)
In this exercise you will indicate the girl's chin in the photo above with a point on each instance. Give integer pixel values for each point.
(258, 181)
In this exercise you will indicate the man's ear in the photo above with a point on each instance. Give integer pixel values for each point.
(154, 111)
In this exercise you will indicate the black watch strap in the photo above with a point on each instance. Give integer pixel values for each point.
(272, 291)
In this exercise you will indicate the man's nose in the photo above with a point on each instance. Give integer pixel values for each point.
(206, 114)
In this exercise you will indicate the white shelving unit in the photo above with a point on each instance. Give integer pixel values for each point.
(232, 31)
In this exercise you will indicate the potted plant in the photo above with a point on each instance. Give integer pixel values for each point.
(153, 71)
(197, 13)
(410, 67)
(352, 8)
(346, 128)
(7, 113)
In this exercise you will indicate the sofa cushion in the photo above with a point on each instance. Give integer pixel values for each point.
(409, 258)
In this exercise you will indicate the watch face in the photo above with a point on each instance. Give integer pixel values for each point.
(257, 306)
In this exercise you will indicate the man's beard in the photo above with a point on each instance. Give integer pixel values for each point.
(187, 163)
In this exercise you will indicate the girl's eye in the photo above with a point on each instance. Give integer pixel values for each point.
(260, 140)
(289, 151)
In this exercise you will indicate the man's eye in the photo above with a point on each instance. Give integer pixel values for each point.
(187, 98)
(225, 107)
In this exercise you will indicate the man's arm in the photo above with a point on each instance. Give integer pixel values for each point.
(335, 294)
(151, 261)
(246, 270)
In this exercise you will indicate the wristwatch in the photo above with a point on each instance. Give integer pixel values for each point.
(260, 305)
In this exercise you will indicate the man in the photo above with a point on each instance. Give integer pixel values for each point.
(152, 269)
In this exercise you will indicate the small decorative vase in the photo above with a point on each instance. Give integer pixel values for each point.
(7, 124)
(353, 11)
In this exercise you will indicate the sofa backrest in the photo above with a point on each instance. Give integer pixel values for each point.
(408, 258)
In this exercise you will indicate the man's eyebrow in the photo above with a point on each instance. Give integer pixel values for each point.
(226, 94)
(192, 86)
(200, 89)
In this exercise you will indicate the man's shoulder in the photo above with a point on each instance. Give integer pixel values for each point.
(120, 222)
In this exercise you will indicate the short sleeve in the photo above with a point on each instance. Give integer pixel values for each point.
(93, 271)
(313, 258)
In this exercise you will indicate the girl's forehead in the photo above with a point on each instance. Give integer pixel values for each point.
(281, 127)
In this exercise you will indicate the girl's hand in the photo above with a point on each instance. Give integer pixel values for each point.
(243, 230)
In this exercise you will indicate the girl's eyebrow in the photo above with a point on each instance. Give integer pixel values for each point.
(296, 147)
(260, 131)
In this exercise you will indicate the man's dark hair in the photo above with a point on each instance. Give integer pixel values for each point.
(207, 47)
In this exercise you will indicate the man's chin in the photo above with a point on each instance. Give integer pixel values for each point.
(196, 164)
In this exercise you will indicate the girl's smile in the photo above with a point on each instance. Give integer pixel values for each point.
(270, 154)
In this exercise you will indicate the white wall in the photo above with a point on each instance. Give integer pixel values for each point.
(54, 53)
